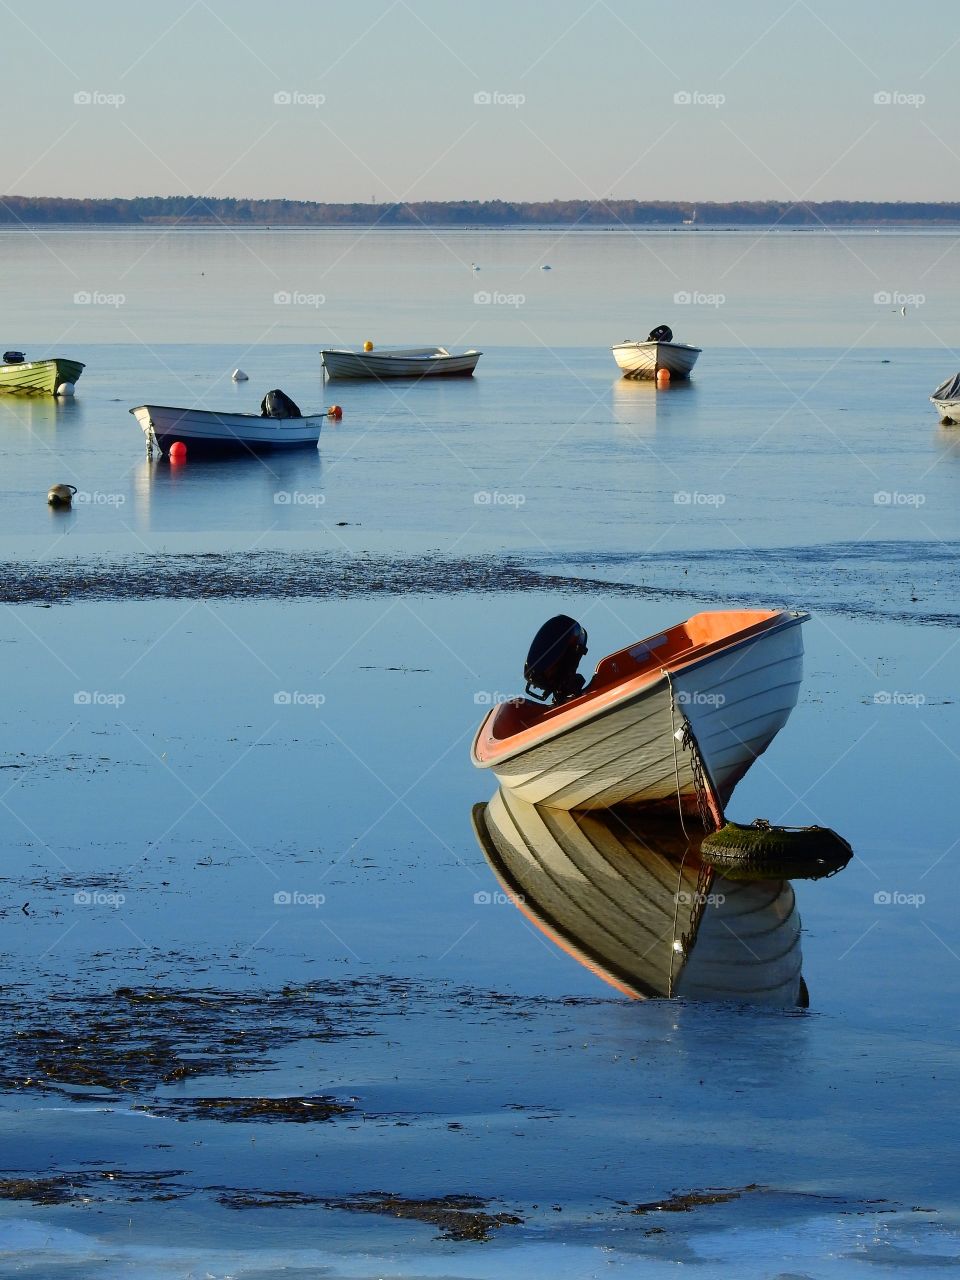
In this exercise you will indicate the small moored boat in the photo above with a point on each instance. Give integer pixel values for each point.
(946, 398)
(634, 904)
(733, 677)
(658, 351)
(209, 431)
(56, 376)
(409, 362)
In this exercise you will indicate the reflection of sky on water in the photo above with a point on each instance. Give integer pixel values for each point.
(578, 459)
(200, 798)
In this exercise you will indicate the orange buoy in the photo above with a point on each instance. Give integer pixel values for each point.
(663, 378)
(335, 411)
(368, 345)
(178, 451)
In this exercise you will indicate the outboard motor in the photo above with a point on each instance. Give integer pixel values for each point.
(552, 662)
(13, 357)
(277, 404)
(662, 333)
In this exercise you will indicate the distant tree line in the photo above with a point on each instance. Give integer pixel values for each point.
(193, 210)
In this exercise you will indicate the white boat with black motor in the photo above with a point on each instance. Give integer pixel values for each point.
(657, 352)
(946, 398)
(279, 425)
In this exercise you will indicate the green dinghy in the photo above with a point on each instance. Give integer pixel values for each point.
(40, 377)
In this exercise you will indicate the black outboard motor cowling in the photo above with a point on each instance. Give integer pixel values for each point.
(13, 357)
(662, 333)
(551, 665)
(277, 404)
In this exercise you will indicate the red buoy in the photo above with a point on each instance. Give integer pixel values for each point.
(178, 451)
(663, 378)
(335, 411)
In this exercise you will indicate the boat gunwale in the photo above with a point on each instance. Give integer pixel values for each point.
(218, 413)
(636, 343)
(402, 353)
(500, 751)
(39, 364)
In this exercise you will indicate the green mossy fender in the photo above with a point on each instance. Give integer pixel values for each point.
(764, 852)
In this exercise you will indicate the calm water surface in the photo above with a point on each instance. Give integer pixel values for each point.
(151, 824)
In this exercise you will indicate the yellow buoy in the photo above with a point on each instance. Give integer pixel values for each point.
(368, 345)
(61, 495)
(663, 377)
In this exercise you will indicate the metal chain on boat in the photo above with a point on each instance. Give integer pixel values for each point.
(689, 743)
(683, 942)
(705, 878)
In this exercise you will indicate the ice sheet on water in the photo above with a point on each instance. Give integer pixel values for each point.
(828, 1246)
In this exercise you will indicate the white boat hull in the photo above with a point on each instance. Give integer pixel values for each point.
(421, 362)
(646, 359)
(205, 429)
(736, 701)
(949, 410)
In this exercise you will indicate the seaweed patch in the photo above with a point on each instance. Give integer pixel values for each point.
(458, 1217)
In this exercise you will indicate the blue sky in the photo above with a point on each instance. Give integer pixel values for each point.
(776, 100)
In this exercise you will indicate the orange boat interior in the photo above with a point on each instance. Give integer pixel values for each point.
(641, 662)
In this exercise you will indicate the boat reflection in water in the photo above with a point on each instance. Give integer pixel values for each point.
(640, 408)
(629, 897)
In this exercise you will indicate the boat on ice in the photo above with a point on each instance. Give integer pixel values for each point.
(210, 431)
(408, 362)
(658, 351)
(946, 398)
(728, 678)
(634, 903)
(54, 377)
